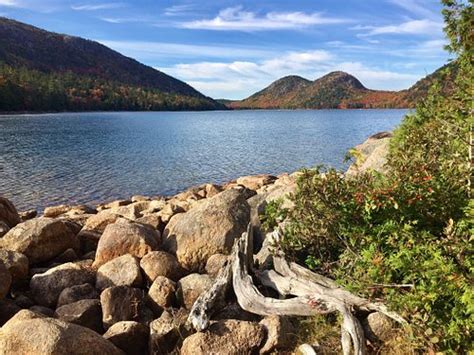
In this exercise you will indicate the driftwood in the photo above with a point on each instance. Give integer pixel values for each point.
(303, 292)
(209, 301)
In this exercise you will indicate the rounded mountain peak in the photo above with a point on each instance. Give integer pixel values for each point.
(287, 84)
(341, 78)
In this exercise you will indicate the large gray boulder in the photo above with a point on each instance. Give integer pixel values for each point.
(281, 334)
(168, 331)
(255, 182)
(161, 263)
(121, 271)
(230, 337)
(8, 213)
(126, 237)
(77, 293)
(161, 294)
(30, 333)
(46, 287)
(86, 313)
(129, 336)
(189, 288)
(208, 228)
(40, 239)
(371, 155)
(16, 263)
(123, 303)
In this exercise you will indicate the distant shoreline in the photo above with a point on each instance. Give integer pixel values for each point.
(23, 113)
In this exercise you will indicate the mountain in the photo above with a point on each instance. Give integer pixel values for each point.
(339, 90)
(41, 70)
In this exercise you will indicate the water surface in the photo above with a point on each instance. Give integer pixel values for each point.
(93, 157)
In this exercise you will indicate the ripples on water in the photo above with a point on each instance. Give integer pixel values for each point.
(93, 157)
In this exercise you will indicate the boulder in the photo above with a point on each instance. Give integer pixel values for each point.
(169, 210)
(161, 294)
(40, 239)
(88, 240)
(129, 336)
(153, 220)
(305, 349)
(86, 313)
(25, 314)
(156, 205)
(226, 337)
(215, 263)
(99, 221)
(29, 214)
(167, 332)
(79, 219)
(140, 198)
(123, 303)
(8, 213)
(29, 333)
(160, 263)
(16, 263)
(121, 271)
(281, 334)
(371, 155)
(4, 228)
(5, 280)
(55, 211)
(77, 293)
(212, 190)
(113, 204)
(47, 287)
(378, 327)
(207, 229)
(125, 237)
(8, 309)
(190, 287)
(132, 211)
(255, 182)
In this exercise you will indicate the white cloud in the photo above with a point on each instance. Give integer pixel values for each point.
(95, 7)
(417, 7)
(177, 10)
(152, 51)
(236, 19)
(12, 3)
(120, 19)
(417, 27)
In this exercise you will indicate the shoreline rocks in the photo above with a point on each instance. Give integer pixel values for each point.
(130, 270)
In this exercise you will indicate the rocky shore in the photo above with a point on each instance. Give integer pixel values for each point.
(122, 277)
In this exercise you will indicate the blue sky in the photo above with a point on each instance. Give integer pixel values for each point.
(230, 49)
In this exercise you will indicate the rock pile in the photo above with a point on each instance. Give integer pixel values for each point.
(121, 277)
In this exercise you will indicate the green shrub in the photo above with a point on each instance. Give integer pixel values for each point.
(412, 227)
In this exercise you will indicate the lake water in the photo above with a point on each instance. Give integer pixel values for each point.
(50, 159)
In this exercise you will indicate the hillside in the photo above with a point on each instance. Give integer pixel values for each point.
(41, 70)
(338, 90)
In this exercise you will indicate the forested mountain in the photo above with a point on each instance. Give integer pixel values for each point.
(45, 71)
(339, 90)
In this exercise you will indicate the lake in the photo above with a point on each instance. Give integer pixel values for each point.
(50, 159)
